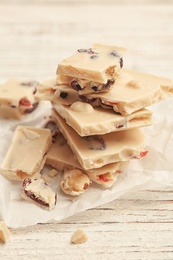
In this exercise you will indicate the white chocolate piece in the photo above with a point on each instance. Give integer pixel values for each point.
(46, 90)
(61, 157)
(38, 192)
(134, 90)
(86, 120)
(4, 232)
(79, 237)
(26, 154)
(17, 98)
(74, 182)
(108, 174)
(99, 63)
(96, 151)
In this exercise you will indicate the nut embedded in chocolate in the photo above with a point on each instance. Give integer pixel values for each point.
(74, 182)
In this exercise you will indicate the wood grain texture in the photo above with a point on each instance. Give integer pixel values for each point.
(35, 36)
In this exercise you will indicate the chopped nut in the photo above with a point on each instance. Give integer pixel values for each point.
(136, 84)
(53, 173)
(81, 107)
(4, 232)
(74, 182)
(79, 237)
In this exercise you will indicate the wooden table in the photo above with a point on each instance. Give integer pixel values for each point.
(34, 37)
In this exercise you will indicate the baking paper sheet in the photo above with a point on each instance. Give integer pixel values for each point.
(154, 170)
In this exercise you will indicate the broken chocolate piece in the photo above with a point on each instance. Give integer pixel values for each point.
(75, 182)
(93, 64)
(39, 192)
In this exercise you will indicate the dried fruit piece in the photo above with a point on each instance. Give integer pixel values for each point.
(86, 99)
(74, 182)
(142, 154)
(24, 102)
(79, 237)
(37, 191)
(75, 85)
(121, 62)
(32, 83)
(89, 51)
(63, 95)
(30, 110)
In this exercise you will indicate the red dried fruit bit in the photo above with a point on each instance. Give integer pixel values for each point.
(102, 177)
(25, 102)
(142, 154)
(86, 185)
(119, 126)
(30, 110)
(25, 182)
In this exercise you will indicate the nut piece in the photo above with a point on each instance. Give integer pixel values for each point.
(74, 182)
(37, 191)
(136, 84)
(53, 173)
(81, 107)
(4, 232)
(79, 237)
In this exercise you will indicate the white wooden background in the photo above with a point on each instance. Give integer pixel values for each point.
(34, 37)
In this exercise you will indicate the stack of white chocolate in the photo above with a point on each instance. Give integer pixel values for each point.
(99, 108)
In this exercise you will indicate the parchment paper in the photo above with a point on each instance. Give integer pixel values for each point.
(154, 170)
